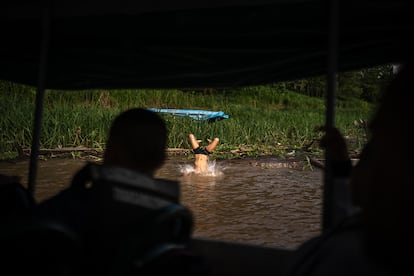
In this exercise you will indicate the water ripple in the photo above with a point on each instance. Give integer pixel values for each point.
(264, 203)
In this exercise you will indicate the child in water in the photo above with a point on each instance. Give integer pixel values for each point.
(201, 153)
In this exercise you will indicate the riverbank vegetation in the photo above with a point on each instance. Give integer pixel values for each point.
(278, 119)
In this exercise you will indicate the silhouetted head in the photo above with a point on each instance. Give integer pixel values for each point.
(137, 140)
(382, 180)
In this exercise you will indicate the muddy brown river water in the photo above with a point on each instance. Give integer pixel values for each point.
(261, 201)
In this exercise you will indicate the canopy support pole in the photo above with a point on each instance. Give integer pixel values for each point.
(332, 68)
(40, 93)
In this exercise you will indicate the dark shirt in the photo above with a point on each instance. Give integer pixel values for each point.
(124, 218)
(103, 199)
(16, 203)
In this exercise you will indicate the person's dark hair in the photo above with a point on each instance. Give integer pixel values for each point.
(138, 137)
(396, 100)
(383, 188)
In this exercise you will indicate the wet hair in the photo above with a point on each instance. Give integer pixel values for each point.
(139, 137)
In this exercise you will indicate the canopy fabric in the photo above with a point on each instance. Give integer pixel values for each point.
(195, 44)
(69, 8)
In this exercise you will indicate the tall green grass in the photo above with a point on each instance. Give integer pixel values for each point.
(263, 119)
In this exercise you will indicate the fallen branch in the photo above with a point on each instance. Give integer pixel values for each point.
(64, 150)
(316, 163)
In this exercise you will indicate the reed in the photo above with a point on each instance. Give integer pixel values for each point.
(263, 119)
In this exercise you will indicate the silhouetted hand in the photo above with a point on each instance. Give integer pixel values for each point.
(334, 142)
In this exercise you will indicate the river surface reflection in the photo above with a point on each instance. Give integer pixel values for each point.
(257, 201)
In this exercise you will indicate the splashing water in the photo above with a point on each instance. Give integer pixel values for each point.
(212, 169)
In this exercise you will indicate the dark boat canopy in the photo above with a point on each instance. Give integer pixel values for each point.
(193, 44)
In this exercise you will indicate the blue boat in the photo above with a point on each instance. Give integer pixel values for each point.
(199, 115)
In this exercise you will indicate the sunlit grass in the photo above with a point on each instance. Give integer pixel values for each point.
(263, 120)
